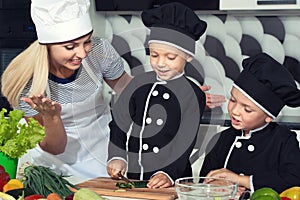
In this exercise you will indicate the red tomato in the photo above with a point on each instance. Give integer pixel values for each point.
(33, 197)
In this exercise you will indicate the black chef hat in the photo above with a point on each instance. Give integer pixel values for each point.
(174, 24)
(268, 84)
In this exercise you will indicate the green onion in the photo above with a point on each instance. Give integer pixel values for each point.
(42, 180)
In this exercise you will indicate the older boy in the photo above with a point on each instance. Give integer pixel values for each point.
(162, 108)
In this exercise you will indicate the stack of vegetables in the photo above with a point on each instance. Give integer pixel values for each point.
(44, 181)
(41, 182)
(7, 184)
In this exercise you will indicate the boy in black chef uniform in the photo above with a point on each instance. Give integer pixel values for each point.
(162, 108)
(255, 151)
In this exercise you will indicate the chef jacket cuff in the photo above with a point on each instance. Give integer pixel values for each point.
(165, 174)
(251, 184)
(118, 158)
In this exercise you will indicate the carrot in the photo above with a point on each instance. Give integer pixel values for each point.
(53, 196)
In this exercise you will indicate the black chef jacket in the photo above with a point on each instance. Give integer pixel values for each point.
(271, 155)
(163, 118)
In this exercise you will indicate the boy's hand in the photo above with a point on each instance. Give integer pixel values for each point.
(241, 180)
(212, 100)
(114, 167)
(159, 180)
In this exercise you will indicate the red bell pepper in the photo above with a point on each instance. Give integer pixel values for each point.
(4, 177)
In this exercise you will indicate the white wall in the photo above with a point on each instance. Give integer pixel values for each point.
(98, 21)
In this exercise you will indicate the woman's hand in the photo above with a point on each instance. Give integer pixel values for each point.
(212, 100)
(43, 105)
(115, 166)
(159, 180)
(49, 116)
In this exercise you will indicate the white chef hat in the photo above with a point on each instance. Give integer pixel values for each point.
(60, 20)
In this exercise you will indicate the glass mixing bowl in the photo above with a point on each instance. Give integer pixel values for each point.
(194, 188)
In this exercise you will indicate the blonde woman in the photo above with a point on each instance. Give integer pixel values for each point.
(58, 80)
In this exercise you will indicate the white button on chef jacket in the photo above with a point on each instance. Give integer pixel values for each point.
(155, 149)
(145, 147)
(251, 148)
(238, 144)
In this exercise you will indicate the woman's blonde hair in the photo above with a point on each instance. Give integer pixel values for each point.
(33, 64)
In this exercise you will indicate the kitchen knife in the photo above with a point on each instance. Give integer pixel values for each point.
(123, 178)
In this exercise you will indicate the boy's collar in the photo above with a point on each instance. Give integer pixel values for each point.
(257, 129)
(175, 77)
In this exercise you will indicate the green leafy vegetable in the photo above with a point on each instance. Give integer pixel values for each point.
(17, 138)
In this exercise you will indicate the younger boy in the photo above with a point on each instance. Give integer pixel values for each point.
(255, 151)
(162, 109)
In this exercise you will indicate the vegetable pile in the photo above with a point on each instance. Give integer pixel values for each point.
(41, 183)
(8, 185)
(16, 138)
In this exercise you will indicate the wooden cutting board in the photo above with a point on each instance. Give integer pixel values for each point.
(107, 187)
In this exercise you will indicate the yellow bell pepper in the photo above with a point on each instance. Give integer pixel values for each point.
(13, 184)
(293, 193)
